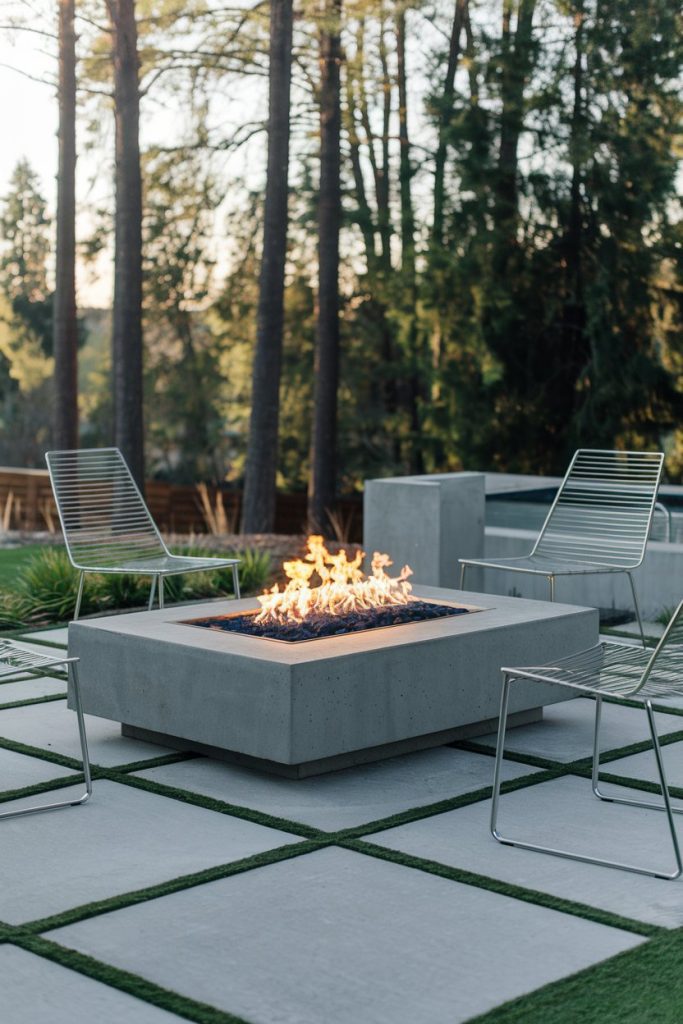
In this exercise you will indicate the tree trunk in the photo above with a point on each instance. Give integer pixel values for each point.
(322, 486)
(408, 270)
(259, 489)
(65, 324)
(515, 72)
(127, 312)
(445, 112)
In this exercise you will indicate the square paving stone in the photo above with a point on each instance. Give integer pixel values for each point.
(345, 798)
(29, 689)
(561, 813)
(18, 770)
(59, 636)
(566, 731)
(54, 727)
(37, 991)
(338, 937)
(123, 839)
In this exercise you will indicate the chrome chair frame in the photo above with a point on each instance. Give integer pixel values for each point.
(107, 526)
(16, 660)
(624, 673)
(598, 523)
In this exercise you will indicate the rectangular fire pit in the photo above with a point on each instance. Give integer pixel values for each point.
(305, 708)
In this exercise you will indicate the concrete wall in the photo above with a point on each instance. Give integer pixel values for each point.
(659, 580)
(426, 522)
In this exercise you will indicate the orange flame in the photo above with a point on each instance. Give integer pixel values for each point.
(343, 586)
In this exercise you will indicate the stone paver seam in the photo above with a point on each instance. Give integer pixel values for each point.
(46, 699)
(519, 892)
(121, 901)
(135, 985)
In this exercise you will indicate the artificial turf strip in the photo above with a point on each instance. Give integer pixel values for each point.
(532, 760)
(518, 892)
(41, 787)
(153, 892)
(641, 986)
(44, 755)
(157, 762)
(32, 700)
(124, 981)
(31, 638)
(442, 806)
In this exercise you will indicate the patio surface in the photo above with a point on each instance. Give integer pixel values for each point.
(189, 889)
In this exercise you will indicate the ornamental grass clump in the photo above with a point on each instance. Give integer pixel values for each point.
(45, 590)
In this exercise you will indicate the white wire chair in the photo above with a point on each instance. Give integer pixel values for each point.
(107, 526)
(599, 521)
(16, 661)
(621, 672)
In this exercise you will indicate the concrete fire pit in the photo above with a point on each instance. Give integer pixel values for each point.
(302, 709)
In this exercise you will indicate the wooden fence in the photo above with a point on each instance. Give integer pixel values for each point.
(26, 503)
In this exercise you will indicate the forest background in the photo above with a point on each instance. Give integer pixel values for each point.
(508, 278)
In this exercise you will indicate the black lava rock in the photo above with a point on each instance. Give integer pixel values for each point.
(318, 626)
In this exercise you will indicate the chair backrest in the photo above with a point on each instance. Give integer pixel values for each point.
(664, 670)
(103, 515)
(603, 511)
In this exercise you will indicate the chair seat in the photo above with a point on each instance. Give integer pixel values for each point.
(608, 669)
(15, 659)
(168, 565)
(542, 565)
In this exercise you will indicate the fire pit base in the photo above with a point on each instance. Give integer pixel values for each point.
(339, 761)
(315, 706)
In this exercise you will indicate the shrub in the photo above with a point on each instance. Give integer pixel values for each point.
(46, 589)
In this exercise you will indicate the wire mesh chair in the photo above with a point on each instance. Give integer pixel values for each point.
(599, 521)
(17, 661)
(621, 672)
(107, 526)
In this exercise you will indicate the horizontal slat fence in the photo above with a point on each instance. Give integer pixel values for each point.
(26, 503)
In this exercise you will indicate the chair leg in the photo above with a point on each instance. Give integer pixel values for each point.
(566, 854)
(551, 581)
(665, 791)
(236, 582)
(161, 592)
(462, 575)
(79, 596)
(500, 746)
(595, 780)
(635, 605)
(150, 604)
(35, 808)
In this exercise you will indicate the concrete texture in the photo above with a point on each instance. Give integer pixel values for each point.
(57, 636)
(17, 771)
(342, 938)
(123, 839)
(657, 580)
(427, 522)
(30, 689)
(566, 732)
(345, 798)
(299, 703)
(561, 813)
(53, 727)
(37, 991)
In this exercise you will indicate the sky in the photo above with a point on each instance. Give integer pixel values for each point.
(28, 129)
